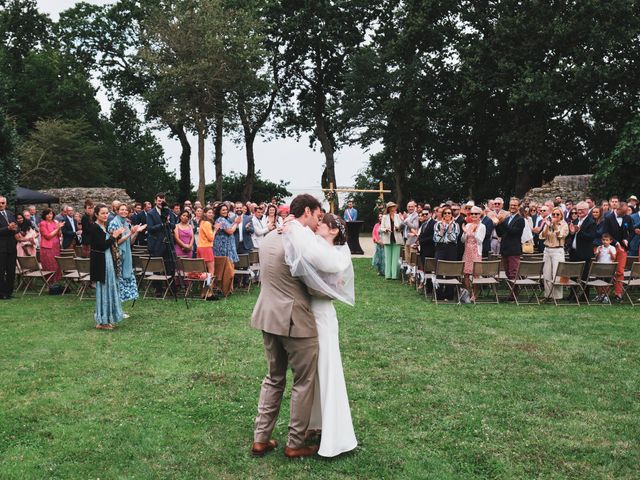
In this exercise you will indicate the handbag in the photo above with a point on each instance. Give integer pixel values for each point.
(527, 247)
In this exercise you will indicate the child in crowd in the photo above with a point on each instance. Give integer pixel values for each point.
(605, 253)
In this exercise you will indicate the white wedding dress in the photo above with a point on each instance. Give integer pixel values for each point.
(331, 412)
(328, 273)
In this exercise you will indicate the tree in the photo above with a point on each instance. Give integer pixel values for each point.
(8, 160)
(62, 153)
(234, 184)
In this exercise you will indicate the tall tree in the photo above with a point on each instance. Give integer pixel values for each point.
(8, 160)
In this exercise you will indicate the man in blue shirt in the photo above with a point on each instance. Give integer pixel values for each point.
(350, 214)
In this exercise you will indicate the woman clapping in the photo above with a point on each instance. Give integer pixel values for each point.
(127, 286)
(554, 234)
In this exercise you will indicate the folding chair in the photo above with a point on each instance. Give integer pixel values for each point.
(634, 281)
(528, 279)
(532, 257)
(83, 267)
(429, 272)
(409, 270)
(31, 271)
(78, 250)
(156, 271)
(628, 264)
(569, 274)
(601, 275)
(486, 273)
(139, 263)
(419, 272)
(195, 270)
(243, 269)
(254, 264)
(449, 273)
(19, 278)
(70, 275)
(68, 252)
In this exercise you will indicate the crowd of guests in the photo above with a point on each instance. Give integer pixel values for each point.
(585, 231)
(109, 234)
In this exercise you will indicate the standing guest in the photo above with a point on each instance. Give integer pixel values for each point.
(459, 218)
(425, 235)
(527, 233)
(632, 202)
(582, 233)
(50, 232)
(183, 235)
(350, 213)
(242, 235)
(174, 216)
(473, 236)
(283, 212)
(224, 244)
(113, 213)
(33, 216)
(510, 228)
(26, 237)
(544, 217)
(554, 234)
(598, 218)
(604, 208)
(86, 220)
(489, 227)
(411, 223)
(272, 218)
(634, 243)
(206, 235)
(391, 234)
(103, 270)
(187, 206)
(160, 238)
(378, 257)
(445, 238)
(614, 203)
(63, 212)
(260, 228)
(620, 226)
(498, 203)
(127, 286)
(69, 229)
(8, 250)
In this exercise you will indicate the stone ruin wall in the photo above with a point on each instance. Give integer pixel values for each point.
(570, 187)
(76, 197)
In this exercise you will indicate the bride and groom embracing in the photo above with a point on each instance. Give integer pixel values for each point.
(302, 270)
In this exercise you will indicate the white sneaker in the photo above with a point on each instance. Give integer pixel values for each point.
(605, 300)
(125, 315)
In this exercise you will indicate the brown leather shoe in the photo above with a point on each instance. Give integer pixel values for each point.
(259, 449)
(301, 452)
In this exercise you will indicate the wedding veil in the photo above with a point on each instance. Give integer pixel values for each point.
(325, 269)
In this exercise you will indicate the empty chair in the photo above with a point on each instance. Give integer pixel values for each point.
(254, 264)
(485, 274)
(632, 283)
(408, 269)
(31, 271)
(429, 274)
(601, 276)
(83, 269)
(70, 275)
(68, 252)
(78, 251)
(195, 271)
(449, 273)
(528, 280)
(628, 264)
(243, 270)
(155, 271)
(569, 274)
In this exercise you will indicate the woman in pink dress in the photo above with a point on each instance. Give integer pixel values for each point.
(50, 243)
(183, 235)
(473, 235)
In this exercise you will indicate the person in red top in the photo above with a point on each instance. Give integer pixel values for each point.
(50, 232)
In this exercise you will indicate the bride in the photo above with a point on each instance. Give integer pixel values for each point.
(331, 413)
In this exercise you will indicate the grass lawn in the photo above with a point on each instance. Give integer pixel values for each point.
(436, 392)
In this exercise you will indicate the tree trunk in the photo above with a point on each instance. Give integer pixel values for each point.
(329, 173)
(250, 179)
(201, 179)
(398, 177)
(218, 154)
(184, 185)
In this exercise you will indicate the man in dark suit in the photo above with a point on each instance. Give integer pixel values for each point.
(620, 226)
(69, 229)
(160, 237)
(509, 228)
(140, 218)
(582, 233)
(8, 252)
(489, 226)
(243, 233)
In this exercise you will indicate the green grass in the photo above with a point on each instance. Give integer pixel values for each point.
(436, 392)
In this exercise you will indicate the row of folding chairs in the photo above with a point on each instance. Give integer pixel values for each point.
(488, 276)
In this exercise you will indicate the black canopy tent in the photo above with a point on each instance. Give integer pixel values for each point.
(24, 196)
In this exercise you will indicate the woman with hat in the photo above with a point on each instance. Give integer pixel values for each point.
(391, 235)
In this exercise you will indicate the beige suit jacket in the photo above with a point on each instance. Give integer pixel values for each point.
(283, 306)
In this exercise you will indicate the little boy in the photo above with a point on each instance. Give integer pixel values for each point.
(605, 253)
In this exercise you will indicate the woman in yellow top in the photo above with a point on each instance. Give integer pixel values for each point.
(554, 234)
(206, 234)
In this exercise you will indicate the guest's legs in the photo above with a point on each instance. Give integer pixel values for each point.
(621, 258)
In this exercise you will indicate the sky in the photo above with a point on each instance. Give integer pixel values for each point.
(281, 159)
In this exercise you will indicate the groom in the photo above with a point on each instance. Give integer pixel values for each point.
(283, 313)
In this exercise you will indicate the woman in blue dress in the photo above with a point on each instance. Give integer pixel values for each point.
(224, 244)
(103, 271)
(127, 285)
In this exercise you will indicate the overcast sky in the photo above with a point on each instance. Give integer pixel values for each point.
(284, 159)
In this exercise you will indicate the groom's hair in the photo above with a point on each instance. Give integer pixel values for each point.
(301, 202)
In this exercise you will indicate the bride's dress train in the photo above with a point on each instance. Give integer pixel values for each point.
(331, 411)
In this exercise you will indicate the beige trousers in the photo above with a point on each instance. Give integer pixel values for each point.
(552, 257)
(302, 355)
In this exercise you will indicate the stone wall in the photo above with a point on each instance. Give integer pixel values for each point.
(570, 187)
(76, 196)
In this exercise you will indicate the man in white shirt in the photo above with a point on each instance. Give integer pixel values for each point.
(260, 228)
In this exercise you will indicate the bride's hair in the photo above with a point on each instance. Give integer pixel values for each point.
(333, 221)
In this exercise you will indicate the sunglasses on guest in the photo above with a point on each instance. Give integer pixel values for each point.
(556, 214)
(448, 212)
(474, 214)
